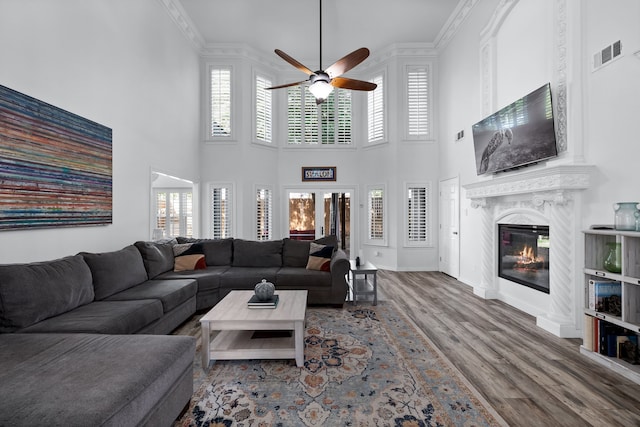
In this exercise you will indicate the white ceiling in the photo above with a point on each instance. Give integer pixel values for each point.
(293, 25)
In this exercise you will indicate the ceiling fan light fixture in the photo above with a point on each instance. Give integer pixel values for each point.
(321, 90)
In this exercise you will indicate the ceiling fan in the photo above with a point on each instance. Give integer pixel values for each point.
(323, 81)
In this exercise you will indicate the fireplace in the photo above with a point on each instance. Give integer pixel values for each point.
(523, 255)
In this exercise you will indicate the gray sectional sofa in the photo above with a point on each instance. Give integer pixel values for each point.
(81, 337)
(241, 264)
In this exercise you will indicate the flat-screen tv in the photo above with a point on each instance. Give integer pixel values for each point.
(522, 133)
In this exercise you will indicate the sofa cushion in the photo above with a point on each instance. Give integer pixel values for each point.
(171, 293)
(248, 253)
(319, 257)
(103, 317)
(115, 271)
(36, 291)
(207, 279)
(216, 251)
(295, 253)
(301, 278)
(92, 380)
(157, 257)
(247, 277)
(208, 283)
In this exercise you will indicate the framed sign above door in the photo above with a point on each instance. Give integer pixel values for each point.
(318, 173)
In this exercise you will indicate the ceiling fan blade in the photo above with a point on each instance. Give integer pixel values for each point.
(286, 85)
(343, 65)
(293, 62)
(347, 83)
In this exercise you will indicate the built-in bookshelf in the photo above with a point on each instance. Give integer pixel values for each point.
(612, 301)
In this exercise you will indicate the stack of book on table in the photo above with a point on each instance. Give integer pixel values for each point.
(254, 302)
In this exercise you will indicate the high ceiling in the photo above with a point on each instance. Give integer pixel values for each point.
(293, 25)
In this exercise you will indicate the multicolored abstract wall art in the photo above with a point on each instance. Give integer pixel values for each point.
(55, 166)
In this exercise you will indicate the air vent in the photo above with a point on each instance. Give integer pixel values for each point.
(606, 55)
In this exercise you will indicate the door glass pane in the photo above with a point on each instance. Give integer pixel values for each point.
(302, 219)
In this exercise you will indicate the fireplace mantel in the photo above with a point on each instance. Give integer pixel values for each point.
(551, 181)
(546, 195)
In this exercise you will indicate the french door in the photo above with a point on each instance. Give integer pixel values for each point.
(317, 213)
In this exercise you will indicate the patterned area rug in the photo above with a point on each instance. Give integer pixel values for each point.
(363, 366)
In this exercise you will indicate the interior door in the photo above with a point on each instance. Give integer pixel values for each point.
(317, 213)
(449, 238)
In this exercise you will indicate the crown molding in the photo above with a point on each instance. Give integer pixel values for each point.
(454, 22)
(399, 50)
(215, 51)
(185, 24)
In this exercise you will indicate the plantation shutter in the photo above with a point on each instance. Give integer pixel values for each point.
(263, 214)
(417, 200)
(418, 101)
(220, 102)
(376, 111)
(161, 210)
(263, 109)
(328, 119)
(328, 123)
(174, 212)
(343, 128)
(310, 118)
(221, 212)
(376, 214)
(294, 115)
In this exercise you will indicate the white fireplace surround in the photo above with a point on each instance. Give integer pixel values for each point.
(545, 196)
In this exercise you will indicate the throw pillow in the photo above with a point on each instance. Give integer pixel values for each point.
(189, 262)
(319, 257)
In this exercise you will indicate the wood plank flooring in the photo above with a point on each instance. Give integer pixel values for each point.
(529, 376)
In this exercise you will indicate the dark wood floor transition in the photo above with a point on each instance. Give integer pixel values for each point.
(528, 375)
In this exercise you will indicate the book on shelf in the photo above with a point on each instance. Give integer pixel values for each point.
(587, 342)
(608, 336)
(272, 302)
(628, 348)
(610, 340)
(605, 296)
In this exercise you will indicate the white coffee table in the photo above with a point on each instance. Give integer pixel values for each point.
(237, 323)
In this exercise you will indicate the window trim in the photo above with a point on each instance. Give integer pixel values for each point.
(231, 186)
(385, 214)
(428, 242)
(207, 104)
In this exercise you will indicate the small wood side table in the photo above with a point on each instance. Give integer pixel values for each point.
(360, 283)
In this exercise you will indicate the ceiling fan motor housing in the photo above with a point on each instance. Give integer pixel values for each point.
(319, 76)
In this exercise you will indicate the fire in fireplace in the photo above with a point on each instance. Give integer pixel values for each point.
(523, 255)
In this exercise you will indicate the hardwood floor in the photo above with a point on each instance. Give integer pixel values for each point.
(529, 376)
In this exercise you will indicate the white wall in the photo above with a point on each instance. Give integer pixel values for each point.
(246, 164)
(460, 106)
(602, 107)
(612, 107)
(123, 64)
